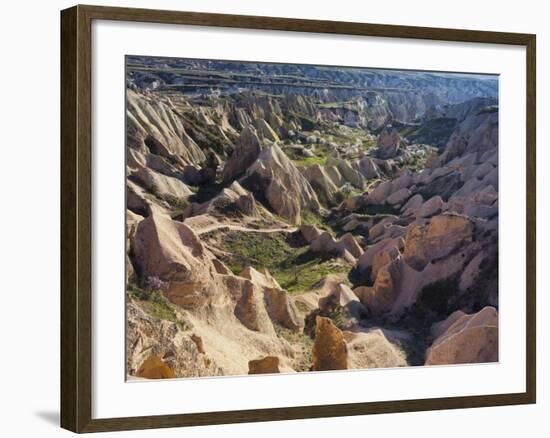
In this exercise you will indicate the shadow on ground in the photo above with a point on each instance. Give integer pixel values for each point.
(51, 417)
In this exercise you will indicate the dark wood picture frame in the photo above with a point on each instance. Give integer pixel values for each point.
(76, 225)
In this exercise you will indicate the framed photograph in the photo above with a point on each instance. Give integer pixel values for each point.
(270, 218)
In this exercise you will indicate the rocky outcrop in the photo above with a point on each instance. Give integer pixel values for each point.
(341, 296)
(165, 187)
(156, 348)
(431, 207)
(466, 339)
(250, 309)
(383, 191)
(265, 365)
(401, 269)
(389, 143)
(153, 126)
(343, 246)
(365, 262)
(399, 197)
(277, 302)
(285, 189)
(329, 350)
(347, 172)
(372, 349)
(368, 168)
(310, 232)
(171, 251)
(230, 203)
(442, 235)
(154, 368)
(246, 151)
(265, 131)
(321, 182)
(477, 133)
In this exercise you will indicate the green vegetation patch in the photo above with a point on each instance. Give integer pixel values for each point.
(321, 153)
(153, 303)
(310, 161)
(295, 267)
(311, 218)
(337, 315)
(419, 162)
(205, 135)
(302, 344)
(303, 272)
(343, 135)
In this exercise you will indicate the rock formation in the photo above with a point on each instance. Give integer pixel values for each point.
(285, 189)
(330, 350)
(246, 151)
(389, 142)
(266, 365)
(466, 339)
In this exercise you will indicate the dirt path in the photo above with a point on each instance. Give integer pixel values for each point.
(220, 226)
(202, 225)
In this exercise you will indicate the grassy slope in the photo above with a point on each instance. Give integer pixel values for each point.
(294, 267)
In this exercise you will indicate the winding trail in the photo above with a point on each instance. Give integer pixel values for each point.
(215, 225)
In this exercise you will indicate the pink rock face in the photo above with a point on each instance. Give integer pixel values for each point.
(310, 232)
(327, 244)
(439, 238)
(286, 190)
(467, 339)
(247, 150)
(172, 252)
(277, 303)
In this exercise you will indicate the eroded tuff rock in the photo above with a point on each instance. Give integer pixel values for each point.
(232, 201)
(162, 185)
(440, 237)
(321, 182)
(430, 253)
(477, 133)
(368, 168)
(265, 365)
(345, 247)
(466, 338)
(341, 296)
(265, 131)
(330, 350)
(389, 142)
(171, 251)
(309, 232)
(246, 151)
(250, 309)
(309, 301)
(347, 172)
(277, 302)
(372, 349)
(154, 368)
(384, 191)
(157, 348)
(153, 126)
(286, 190)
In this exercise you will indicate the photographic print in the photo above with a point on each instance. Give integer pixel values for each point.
(286, 218)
